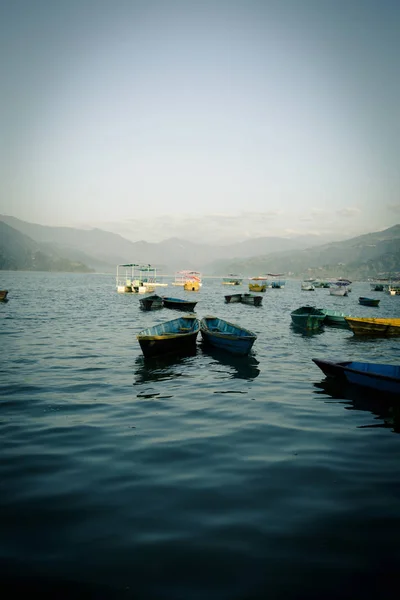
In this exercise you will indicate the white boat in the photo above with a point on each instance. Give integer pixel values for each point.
(307, 287)
(340, 288)
(128, 281)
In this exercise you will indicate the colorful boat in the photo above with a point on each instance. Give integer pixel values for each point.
(232, 279)
(231, 298)
(171, 337)
(258, 284)
(192, 286)
(251, 299)
(381, 377)
(179, 304)
(182, 277)
(368, 301)
(152, 302)
(308, 317)
(371, 326)
(3, 295)
(226, 336)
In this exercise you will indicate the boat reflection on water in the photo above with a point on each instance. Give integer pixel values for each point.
(162, 368)
(305, 332)
(383, 405)
(237, 367)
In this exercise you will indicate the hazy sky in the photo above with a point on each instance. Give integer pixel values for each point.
(211, 120)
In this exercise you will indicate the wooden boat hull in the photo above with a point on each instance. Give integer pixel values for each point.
(151, 302)
(178, 304)
(232, 298)
(384, 378)
(368, 301)
(251, 299)
(172, 337)
(371, 326)
(308, 318)
(226, 336)
(3, 295)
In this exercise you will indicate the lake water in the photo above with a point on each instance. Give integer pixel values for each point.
(205, 477)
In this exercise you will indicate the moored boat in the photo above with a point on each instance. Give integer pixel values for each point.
(275, 280)
(308, 317)
(340, 287)
(179, 304)
(226, 336)
(368, 301)
(251, 299)
(381, 377)
(257, 287)
(232, 279)
(372, 326)
(182, 277)
(191, 286)
(171, 337)
(307, 286)
(152, 302)
(231, 298)
(334, 317)
(3, 295)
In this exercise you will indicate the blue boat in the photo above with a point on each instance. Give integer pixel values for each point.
(308, 317)
(171, 337)
(179, 304)
(226, 336)
(377, 376)
(368, 301)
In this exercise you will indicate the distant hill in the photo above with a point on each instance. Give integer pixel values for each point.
(18, 252)
(363, 256)
(103, 250)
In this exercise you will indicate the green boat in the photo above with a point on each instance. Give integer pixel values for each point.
(308, 317)
(334, 317)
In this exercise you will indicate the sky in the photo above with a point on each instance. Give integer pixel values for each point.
(209, 121)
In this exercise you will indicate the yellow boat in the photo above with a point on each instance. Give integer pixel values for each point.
(366, 326)
(192, 286)
(257, 287)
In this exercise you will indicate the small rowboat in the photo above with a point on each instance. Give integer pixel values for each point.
(179, 304)
(226, 336)
(308, 317)
(251, 299)
(3, 295)
(334, 317)
(368, 301)
(171, 337)
(231, 298)
(151, 302)
(384, 378)
(371, 326)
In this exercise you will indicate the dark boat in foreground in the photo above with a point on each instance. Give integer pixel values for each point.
(368, 301)
(251, 299)
(152, 302)
(381, 377)
(179, 304)
(171, 337)
(308, 317)
(3, 295)
(226, 336)
(231, 298)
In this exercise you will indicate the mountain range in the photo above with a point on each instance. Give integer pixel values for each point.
(30, 246)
